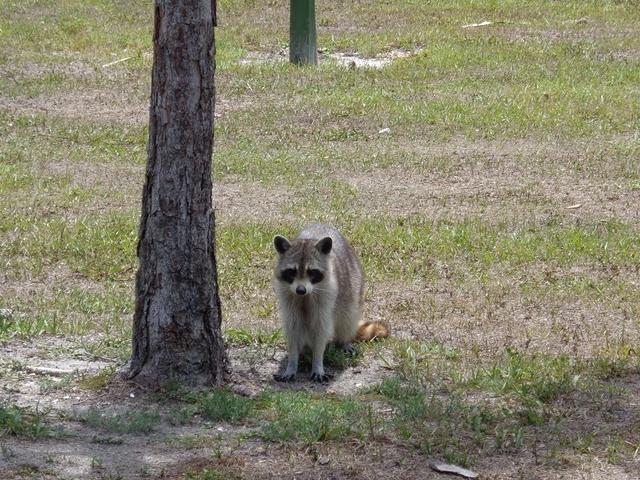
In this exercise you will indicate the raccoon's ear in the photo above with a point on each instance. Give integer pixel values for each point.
(281, 244)
(324, 245)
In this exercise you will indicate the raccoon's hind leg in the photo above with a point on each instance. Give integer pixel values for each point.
(346, 327)
(347, 348)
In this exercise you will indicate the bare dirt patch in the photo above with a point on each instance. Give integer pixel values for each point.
(356, 60)
(487, 320)
(30, 368)
(581, 29)
(496, 195)
(119, 184)
(345, 59)
(73, 68)
(239, 200)
(103, 106)
(126, 104)
(515, 181)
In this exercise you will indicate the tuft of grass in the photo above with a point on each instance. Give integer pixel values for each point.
(97, 247)
(15, 420)
(297, 416)
(182, 415)
(106, 440)
(408, 399)
(98, 381)
(65, 309)
(224, 405)
(334, 357)
(22, 326)
(242, 336)
(407, 247)
(450, 424)
(132, 421)
(533, 379)
(49, 384)
(116, 347)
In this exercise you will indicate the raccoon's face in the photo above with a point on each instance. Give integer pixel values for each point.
(302, 264)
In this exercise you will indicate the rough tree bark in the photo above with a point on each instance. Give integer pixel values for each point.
(176, 325)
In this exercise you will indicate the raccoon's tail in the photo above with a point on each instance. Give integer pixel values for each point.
(372, 331)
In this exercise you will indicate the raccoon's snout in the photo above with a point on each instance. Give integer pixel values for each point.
(301, 290)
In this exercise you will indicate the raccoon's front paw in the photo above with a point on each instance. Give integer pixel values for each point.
(285, 378)
(321, 377)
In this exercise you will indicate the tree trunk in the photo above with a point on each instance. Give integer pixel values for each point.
(176, 325)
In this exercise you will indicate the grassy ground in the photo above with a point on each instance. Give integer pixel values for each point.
(488, 176)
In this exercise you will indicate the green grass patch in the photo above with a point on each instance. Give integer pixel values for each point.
(448, 424)
(447, 403)
(533, 378)
(226, 406)
(132, 421)
(190, 442)
(23, 326)
(36, 137)
(101, 247)
(94, 30)
(113, 346)
(99, 380)
(49, 384)
(241, 336)
(63, 309)
(296, 416)
(15, 420)
(408, 248)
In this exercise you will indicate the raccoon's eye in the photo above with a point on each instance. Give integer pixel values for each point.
(315, 276)
(288, 275)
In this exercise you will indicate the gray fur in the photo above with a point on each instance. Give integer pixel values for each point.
(331, 308)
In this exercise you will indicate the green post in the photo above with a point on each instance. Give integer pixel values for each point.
(302, 33)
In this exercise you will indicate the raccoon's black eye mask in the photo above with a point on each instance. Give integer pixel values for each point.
(315, 276)
(288, 274)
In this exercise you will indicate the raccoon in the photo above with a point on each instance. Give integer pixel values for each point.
(319, 284)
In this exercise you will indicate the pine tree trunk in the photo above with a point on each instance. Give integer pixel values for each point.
(176, 325)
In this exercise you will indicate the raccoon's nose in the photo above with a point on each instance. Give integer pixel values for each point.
(300, 290)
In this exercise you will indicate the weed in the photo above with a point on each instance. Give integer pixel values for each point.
(113, 347)
(226, 406)
(96, 463)
(20, 421)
